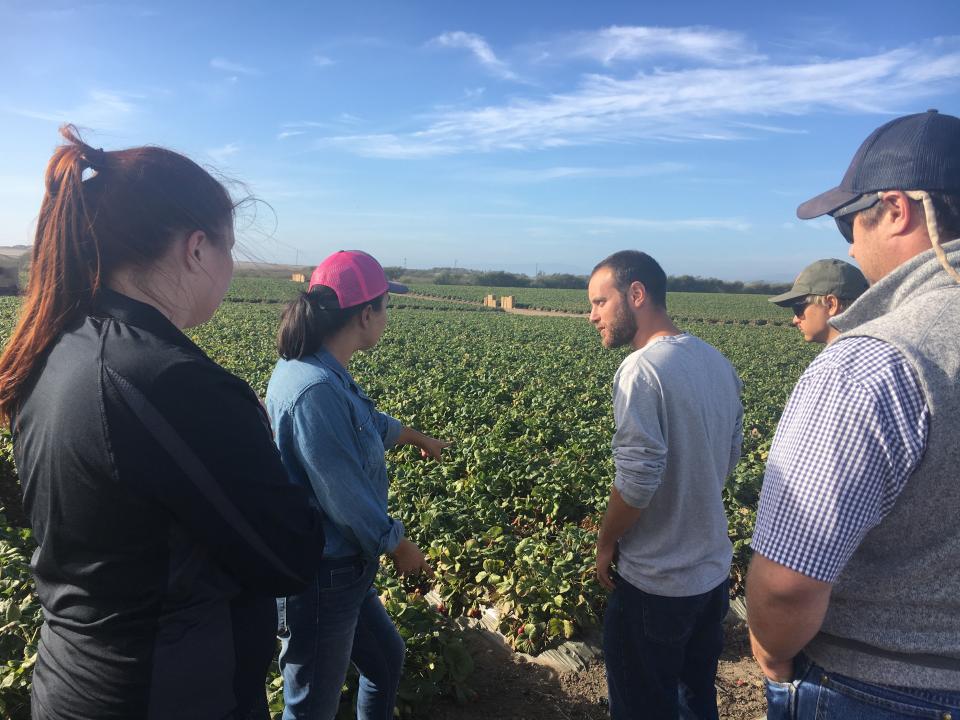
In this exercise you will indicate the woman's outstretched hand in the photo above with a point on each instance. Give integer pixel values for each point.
(408, 560)
(430, 447)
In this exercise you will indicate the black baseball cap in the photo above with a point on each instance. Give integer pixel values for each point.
(913, 152)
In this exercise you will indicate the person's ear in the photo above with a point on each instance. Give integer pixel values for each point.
(637, 293)
(196, 246)
(899, 214)
(832, 304)
(365, 315)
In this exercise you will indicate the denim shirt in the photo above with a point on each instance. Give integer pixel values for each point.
(331, 439)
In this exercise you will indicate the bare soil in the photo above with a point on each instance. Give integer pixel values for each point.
(515, 311)
(509, 688)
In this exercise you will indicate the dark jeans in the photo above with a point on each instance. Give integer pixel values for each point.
(336, 621)
(661, 653)
(816, 693)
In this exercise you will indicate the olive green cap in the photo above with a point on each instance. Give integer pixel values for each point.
(824, 277)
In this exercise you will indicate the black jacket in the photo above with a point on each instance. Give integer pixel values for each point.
(165, 522)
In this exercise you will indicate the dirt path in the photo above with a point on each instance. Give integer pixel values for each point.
(515, 311)
(551, 313)
(436, 298)
(510, 689)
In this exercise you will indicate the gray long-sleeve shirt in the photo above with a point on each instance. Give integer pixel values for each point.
(679, 419)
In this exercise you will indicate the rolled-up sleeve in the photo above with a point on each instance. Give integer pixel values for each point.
(389, 428)
(639, 447)
(330, 453)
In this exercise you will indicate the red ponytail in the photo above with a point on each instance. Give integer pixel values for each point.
(125, 214)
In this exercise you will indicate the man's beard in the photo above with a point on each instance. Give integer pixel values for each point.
(624, 328)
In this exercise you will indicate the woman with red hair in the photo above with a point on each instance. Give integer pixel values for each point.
(164, 520)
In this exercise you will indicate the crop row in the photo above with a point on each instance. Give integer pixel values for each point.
(279, 291)
(694, 306)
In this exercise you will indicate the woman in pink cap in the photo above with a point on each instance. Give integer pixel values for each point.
(332, 441)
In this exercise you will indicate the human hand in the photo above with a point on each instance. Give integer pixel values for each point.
(605, 558)
(775, 669)
(430, 447)
(409, 560)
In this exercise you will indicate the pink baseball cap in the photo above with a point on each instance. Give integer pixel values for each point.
(353, 275)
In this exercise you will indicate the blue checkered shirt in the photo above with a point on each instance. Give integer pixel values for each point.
(853, 431)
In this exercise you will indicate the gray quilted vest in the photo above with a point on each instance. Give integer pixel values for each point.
(894, 615)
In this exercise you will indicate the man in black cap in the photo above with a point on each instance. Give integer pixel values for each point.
(854, 587)
(822, 290)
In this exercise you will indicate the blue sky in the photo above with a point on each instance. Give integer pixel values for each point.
(522, 135)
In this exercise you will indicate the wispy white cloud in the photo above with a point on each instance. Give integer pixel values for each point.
(323, 60)
(611, 222)
(302, 127)
(620, 44)
(702, 103)
(228, 66)
(774, 129)
(220, 154)
(388, 145)
(707, 223)
(479, 47)
(538, 175)
(734, 224)
(91, 9)
(299, 124)
(100, 110)
(826, 224)
(821, 224)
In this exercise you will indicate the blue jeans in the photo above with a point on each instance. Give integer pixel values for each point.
(661, 653)
(816, 694)
(339, 619)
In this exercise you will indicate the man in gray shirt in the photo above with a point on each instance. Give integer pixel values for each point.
(677, 408)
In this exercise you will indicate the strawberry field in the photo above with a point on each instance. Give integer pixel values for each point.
(509, 518)
(708, 307)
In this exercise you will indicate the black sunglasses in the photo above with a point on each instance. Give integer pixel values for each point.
(799, 308)
(844, 216)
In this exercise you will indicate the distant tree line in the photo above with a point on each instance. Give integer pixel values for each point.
(693, 283)
(501, 278)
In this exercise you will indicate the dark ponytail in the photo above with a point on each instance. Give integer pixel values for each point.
(102, 211)
(311, 318)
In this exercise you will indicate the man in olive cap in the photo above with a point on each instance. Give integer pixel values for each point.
(854, 588)
(822, 291)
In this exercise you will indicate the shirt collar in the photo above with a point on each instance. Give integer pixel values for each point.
(110, 303)
(326, 358)
(920, 274)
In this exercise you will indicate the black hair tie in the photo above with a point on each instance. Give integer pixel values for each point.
(96, 158)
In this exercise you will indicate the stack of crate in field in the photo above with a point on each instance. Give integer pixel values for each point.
(505, 302)
(298, 277)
